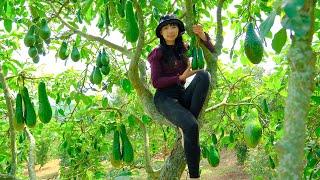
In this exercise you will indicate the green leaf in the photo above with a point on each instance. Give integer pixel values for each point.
(279, 40)
(239, 111)
(99, 175)
(102, 130)
(318, 132)
(86, 6)
(231, 136)
(10, 66)
(16, 62)
(158, 4)
(145, 119)
(68, 100)
(225, 140)
(271, 162)
(7, 25)
(79, 16)
(131, 120)
(126, 85)
(58, 98)
(265, 106)
(78, 40)
(312, 161)
(61, 111)
(316, 99)
(214, 138)
(104, 102)
(9, 9)
(222, 133)
(266, 25)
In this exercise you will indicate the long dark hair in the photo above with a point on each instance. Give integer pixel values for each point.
(173, 52)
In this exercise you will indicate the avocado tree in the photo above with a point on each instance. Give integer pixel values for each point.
(91, 128)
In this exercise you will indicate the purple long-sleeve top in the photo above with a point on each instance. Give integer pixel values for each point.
(163, 75)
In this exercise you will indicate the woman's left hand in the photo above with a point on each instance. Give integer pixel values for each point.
(197, 29)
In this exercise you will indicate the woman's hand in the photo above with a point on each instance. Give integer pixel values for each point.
(198, 30)
(187, 73)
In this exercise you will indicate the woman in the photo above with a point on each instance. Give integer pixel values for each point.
(169, 70)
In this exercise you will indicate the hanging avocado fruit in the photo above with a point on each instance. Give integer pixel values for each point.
(98, 60)
(44, 30)
(102, 67)
(19, 119)
(194, 62)
(197, 54)
(91, 75)
(252, 133)
(127, 149)
(36, 59)
(39, 45)
(33, 52)
(120, 7)
(97, 76)
(75, 54)
(45, 111)
(101, 22)
(29, 112)
(213, 156)
(30, 38)
(104, 58)
(105, 70)
(116, 150)
(132, 29)
(253, 47)
(193, 49)
(107, 19)
(63, 51)
(200, 58)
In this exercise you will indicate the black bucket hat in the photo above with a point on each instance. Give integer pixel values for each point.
(168, 19)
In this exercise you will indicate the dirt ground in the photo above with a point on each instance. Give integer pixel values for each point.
(227, 170)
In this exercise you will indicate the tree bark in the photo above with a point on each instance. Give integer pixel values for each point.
(301, 85)
(13, 145)
(174, 164)
(32, 156)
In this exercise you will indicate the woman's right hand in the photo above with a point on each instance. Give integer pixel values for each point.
(187, 73)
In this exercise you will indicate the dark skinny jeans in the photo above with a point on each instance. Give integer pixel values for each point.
(182, 107)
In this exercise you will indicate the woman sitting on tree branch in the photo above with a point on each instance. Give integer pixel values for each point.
(170, 68)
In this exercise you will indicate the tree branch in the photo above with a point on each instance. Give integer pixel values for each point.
(7, 177)
(148, 166)
(11, 119)
(31, 160)
(59, 11)
(91, 37)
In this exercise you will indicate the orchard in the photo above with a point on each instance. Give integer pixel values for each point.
(75, 87)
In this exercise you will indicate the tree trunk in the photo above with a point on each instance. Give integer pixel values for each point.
(174, 164)
(301, 84)
(11, 119)
(32, 156)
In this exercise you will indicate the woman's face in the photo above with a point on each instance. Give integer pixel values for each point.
(170, 33)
